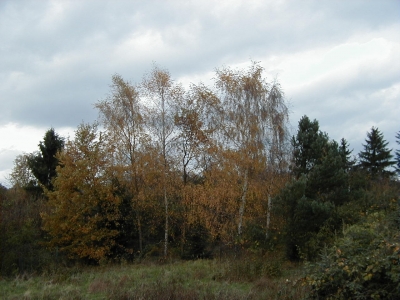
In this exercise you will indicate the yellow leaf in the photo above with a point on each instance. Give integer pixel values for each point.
(367, 277)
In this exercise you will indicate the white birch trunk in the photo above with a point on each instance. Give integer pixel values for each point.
(166, 224)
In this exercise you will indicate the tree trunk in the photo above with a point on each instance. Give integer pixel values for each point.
(164, 153)
(166, 223)
(140, 234)
(243, 202)
(183, 239)
(269, 207)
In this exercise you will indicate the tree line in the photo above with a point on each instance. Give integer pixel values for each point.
(168, 171)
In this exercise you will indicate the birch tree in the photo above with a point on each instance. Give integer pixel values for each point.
(21, 175)
(195, 120)
(162, 94)
(122, 115)
(254, 117)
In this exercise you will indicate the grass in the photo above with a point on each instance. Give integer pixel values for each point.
(249, 278)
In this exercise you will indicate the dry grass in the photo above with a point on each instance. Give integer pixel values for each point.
(201, 279)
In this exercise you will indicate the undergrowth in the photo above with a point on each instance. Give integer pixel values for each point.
(250, 278)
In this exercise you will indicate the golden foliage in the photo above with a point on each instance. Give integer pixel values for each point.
(82, 209)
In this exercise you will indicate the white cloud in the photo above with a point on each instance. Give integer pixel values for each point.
(18, 139)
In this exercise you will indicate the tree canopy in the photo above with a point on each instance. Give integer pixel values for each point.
(194, 171)
(82, 209)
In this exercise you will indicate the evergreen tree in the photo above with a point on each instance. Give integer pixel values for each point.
(376, 157)
(308, 146)
(321, 184)
(345, 154)
(43, 164)
(328, 181)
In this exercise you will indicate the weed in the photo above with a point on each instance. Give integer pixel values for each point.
(251, 278)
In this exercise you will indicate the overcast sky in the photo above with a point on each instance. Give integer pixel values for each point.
(337, 61)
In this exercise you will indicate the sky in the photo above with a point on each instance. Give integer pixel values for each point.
(337, 61)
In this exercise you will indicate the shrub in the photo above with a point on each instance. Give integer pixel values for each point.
(250, 267)
(364, 264)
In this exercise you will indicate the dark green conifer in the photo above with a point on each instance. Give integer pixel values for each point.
(308, 146)
(376, 157)
(43, 164)
(345, 153)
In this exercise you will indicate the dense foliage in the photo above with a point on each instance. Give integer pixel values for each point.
(319, 186)
(363, 264)
(82, 210)
(20, 233)
(200, 172)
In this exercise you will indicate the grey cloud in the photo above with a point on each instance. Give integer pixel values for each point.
(57, 61)
(349, 105)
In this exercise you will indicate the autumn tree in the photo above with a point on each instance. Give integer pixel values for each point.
(376, 157)
(82, 209)
(159, 88)
(195, 120)
(217, 200)
(43, 163)
(21, 175)
(254, 120)
(121, 114)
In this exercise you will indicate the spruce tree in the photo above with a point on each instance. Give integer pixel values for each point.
(376, 157)
(345, 154)
(308, 146)
(328, 180)
(43, 164)
(320, 185)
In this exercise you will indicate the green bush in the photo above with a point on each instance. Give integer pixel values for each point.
(196, 243)
(364, 264)
(20, 234)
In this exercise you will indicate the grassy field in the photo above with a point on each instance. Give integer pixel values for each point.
(249, 278)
